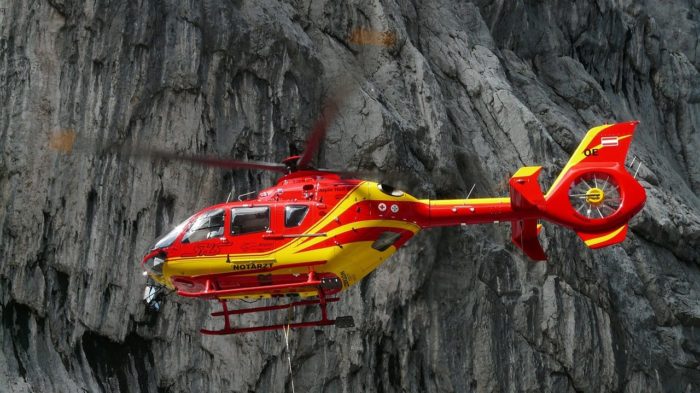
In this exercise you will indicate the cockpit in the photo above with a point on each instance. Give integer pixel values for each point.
(211, 224)
(170, 237)
(227, 226)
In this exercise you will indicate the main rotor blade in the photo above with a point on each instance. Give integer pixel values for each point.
(197, 159)
(318, 133)
(67, 142)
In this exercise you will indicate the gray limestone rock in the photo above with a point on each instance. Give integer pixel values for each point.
(465, 94)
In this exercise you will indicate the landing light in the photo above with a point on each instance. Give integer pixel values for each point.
(154, 265)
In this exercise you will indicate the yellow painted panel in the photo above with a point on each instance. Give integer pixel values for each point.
(527, 171)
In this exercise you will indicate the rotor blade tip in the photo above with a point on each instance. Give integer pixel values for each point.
(63, 141)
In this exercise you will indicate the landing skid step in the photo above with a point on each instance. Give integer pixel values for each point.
(214, 287)
(331, 283)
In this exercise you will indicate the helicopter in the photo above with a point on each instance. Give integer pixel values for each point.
(317, 232)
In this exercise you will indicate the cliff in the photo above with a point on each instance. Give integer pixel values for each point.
(460, 94)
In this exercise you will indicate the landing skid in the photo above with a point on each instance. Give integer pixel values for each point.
(324, 284)
(322, 301)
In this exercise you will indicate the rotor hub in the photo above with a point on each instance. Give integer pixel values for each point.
(595, 196)
(291, 163)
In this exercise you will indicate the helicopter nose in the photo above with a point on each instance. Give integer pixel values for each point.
(154, 263)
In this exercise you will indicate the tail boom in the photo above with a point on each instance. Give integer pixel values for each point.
(594, 195)
(450, 212)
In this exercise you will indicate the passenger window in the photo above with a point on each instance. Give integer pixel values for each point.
(294, 215)
(249, 219)
(208, 225)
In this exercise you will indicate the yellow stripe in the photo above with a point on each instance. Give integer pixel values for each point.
(598, 240)
(360, 225)
(472, 201)
(578, 155)
(353, 196)
(526, 171)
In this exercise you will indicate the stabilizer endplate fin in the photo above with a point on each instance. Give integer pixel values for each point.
(604, 239)
(525, 191)
(526, 196)
(524, 235)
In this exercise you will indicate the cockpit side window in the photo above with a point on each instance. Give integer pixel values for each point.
(294, 215)
(208, 225)
(249, 219)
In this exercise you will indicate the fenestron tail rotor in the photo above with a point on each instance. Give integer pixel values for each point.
(595, 195)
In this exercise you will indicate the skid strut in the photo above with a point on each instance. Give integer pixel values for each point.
(322, 301)
(323, 286)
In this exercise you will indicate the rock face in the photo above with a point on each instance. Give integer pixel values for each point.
(460, 95)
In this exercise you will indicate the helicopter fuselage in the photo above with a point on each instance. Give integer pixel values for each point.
(341, 229)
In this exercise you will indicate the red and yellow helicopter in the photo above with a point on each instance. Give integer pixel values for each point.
(315, 233)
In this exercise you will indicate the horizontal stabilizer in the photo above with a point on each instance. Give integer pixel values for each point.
(525, 237)
(525, 191)
(598, 240)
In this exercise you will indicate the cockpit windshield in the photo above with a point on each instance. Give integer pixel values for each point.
(208, 225)
(168, 239)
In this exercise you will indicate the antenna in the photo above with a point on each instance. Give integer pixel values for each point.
(638, 166)
(244, 196)
(470, 191)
